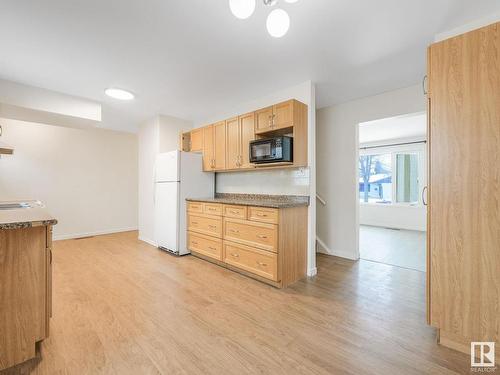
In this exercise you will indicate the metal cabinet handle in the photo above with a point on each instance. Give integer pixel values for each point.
(234, 231)
(194, 242)
(424, 190)
(235, 255)
(262, 236)
(50, 256)
(212, 226)
(261, 215)
(212, 248)
(262, 264)
(234, 212)
(194, 222)
(212, 209)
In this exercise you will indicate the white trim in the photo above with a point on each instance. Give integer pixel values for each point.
(312, 272)
(477, 24)
(91, 234)
(323, 249)
(148, 241)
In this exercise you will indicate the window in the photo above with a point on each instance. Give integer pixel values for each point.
(407, 181)
(391, 175)
(375, 178)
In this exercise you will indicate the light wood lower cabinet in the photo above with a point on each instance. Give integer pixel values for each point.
(259, 235)
(237, 212)
(25, 292)
(265, 215)
(268, 244)
(206, 245)
(205, 224)
(259, 262)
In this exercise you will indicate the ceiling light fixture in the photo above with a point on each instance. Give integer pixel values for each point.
(242, 9)
(278, 21)
(119, 94)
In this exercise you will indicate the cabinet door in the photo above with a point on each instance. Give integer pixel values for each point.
(208, 148)
(233, 144)
(247, 134)
(464, 146)
(264, 120)
(220, 146)
(197, 140)
(283, 115)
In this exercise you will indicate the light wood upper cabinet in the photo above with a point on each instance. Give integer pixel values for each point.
(225, 145)
(279, 116)
(264, 120)
(239, 132)
(247, 134)
(233, 143)
(197, 140)
(214, 147)
(283, 115)
(220, 146)
(208, 148)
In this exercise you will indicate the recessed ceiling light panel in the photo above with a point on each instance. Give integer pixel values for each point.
(119, 94)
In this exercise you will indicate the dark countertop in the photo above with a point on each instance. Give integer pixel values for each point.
(258, 200)
(33, 215)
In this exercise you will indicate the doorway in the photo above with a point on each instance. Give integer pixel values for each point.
(392, 183)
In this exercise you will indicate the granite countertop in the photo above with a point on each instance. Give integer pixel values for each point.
(32, 214)
(258, 200)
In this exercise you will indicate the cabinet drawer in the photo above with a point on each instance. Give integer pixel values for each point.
(196, 207)
(212, 209)
(205, 245)
(204, 224)
(264, 215)
(263, 236)
(259, 262)
(237, 212)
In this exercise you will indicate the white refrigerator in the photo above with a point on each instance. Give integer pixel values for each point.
(178, 175)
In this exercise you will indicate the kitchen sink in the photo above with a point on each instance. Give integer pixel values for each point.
(14, 206)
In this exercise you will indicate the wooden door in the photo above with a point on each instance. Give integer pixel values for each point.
(232, 143)
(208, 148)
(197, 140)
(464, 92)
(283, 115)
(247, 134)
(264, 120)
(220, 146)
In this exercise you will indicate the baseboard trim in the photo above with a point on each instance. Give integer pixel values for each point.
(312, 272)
(148, 241)
(323, 249)
(73, 236)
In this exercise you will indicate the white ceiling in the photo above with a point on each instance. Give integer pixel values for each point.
(192, 58)
(401, 127)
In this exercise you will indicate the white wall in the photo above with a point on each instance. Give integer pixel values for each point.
(28, 103)
(337, 158)
(87, 178)
(277, 182)
(160, 134)
(399, 217)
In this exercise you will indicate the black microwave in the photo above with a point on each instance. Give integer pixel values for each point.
(271, 150)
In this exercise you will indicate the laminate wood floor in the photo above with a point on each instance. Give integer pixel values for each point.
(124, 307)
